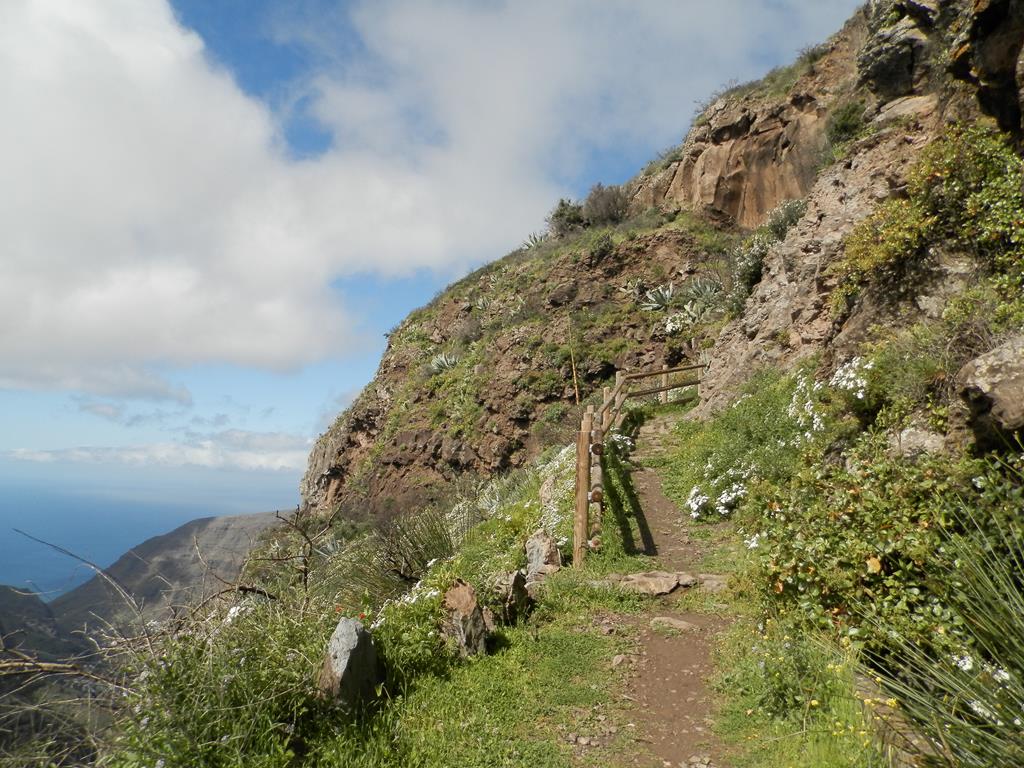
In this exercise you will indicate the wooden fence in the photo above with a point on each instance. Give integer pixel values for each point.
(594, 427)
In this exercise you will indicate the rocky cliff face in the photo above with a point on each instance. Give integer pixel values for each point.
(483, 377)
(759, 144)
(914, 81)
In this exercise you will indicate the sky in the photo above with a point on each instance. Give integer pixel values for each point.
(213, 210)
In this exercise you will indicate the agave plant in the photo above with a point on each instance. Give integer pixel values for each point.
(443, 362)
(659, 299)
(634, 288)
(702, 291)
(534, 239)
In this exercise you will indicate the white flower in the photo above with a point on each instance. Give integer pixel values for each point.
(850, 377)
(965, 662)
(753, 541)
(983, 711)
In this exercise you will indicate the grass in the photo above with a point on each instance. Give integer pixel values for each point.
(822, 723)
(510, 708)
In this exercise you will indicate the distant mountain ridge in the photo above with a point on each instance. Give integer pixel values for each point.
(163, 571)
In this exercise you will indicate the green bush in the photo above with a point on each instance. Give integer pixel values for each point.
(970, 701)
(566, 218)
(845, 123)
(965, 190)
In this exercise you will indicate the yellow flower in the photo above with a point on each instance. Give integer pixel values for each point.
(814, 702)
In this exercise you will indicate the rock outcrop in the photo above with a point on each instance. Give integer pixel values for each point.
(754, 148)
(351, 670)
(993, 388)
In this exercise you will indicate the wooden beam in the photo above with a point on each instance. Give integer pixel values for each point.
(649, 374)
(580, 520)
(656, 390)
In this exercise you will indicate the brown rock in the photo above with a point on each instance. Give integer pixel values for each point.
(464, 622)
(650, 583)
(514, 597)
(542, 555)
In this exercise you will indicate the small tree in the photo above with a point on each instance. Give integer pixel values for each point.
(605, 205)
(566, 218)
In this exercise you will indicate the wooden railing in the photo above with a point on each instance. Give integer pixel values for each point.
(594, 427)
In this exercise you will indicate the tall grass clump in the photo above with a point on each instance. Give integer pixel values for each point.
(969, 702)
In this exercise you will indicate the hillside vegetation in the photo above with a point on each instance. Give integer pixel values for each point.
(845, 463)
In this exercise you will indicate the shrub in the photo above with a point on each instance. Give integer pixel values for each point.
(845, 123)
(605, 205)
(747, 267)
(566, 218)
(965, 189)
(602, 247)
(784, 216)
(970, 702)
(748, 258)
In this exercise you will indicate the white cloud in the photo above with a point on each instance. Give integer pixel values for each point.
(153, 218)
(234, 449)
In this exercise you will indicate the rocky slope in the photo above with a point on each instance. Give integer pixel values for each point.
(480, 379)
(164, 571)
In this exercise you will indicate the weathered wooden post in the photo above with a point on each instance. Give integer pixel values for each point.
(606, 408)
(580, 521)
(663, 395)
(596, 476)
(620, 399)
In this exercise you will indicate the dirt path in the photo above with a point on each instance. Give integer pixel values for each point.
(669, 680)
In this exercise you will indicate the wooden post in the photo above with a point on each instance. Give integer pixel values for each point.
(580, 521)
(663, 397)
(606, 405)
(596, 477)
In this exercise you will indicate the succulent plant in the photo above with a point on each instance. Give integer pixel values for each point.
(443, 362)
(658, 299)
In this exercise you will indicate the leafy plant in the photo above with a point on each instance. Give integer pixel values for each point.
(658, 299)
(970, 702)
(566, 218)
(533, 240)
(846, 122)
(443, 361)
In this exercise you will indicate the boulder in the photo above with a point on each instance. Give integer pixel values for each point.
(464, 623)
(542, 555)
(914, 441)
(514, 596)
(351, 669)
(713, 582)
(992, 386)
